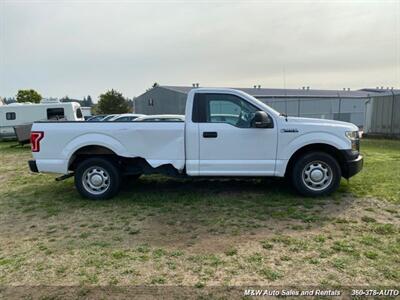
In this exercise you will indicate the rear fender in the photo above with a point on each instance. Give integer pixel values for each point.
(94, 139)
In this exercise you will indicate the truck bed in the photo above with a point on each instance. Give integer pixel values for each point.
(159, 143)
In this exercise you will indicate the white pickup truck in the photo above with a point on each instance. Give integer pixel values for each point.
(225, 133)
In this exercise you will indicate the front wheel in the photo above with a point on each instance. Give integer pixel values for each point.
(316, 174)
(97, 178)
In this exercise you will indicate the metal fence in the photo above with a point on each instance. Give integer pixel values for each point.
(383, 115)
(341, 109)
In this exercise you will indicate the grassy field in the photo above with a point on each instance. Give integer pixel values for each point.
(161, 231)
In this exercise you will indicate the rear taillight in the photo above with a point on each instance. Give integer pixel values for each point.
(36, 137)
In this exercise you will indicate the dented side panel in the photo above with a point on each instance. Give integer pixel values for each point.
(158, 143)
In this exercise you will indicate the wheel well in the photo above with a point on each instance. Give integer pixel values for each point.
(90, 151)
(334, 152)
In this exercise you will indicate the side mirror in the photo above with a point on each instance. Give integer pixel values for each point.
(261, 120)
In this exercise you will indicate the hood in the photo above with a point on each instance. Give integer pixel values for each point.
(322, 122)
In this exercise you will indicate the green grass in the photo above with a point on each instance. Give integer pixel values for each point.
(162, 231)
(381, 174)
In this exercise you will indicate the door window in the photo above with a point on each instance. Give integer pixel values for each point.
(123, 119)
(230, 109)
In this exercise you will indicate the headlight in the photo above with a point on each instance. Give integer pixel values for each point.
(352, 135)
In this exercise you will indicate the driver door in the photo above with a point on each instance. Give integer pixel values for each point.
(229, 145)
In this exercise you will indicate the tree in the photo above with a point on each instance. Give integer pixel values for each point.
(9, 100)
(65, 99)
(112, 102)
(95, 109)
(89, 101)
(28, 96)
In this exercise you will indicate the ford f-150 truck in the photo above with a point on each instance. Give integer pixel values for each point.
(225, 133)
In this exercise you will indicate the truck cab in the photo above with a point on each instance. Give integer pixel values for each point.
(226, 133)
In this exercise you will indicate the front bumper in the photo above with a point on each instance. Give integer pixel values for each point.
(352, 167)
(33, 166)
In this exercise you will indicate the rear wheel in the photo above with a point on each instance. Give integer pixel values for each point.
(316, 174)
(97, 178)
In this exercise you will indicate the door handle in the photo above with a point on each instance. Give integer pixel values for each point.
(210, 134)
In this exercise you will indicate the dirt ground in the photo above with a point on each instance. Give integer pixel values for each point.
(206, 235)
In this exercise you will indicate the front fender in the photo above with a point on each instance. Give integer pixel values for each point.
(286, 151)
(287, 147)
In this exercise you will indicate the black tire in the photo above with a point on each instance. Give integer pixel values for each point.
(320, 164)
(104, 169)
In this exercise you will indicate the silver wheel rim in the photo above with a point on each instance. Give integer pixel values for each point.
(96, 180)
(317, 176)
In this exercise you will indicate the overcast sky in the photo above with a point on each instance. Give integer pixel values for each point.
(77, 48)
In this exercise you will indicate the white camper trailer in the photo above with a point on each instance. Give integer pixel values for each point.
(20, 113)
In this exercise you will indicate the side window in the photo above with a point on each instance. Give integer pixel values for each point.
(79, 113)
(223, 111)
(230, 109)
(11, 116)
(55, 113)
(123, 119)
